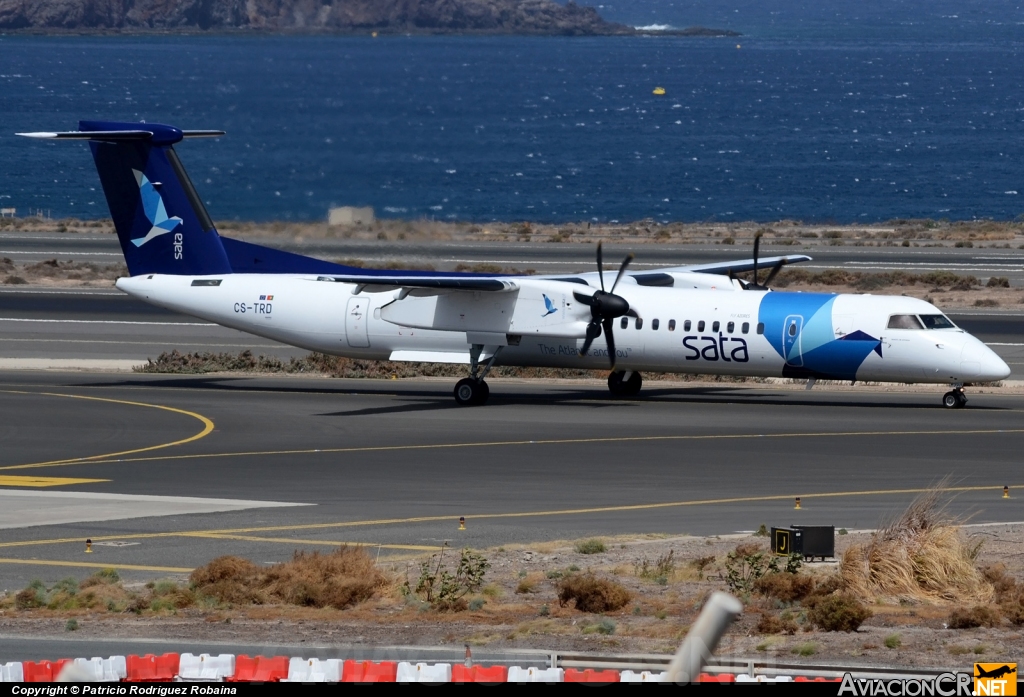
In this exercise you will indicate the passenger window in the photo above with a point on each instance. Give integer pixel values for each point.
(904, 322)
(792, 328)
(639, 323)
(730, 327)
(671, 325)
(686, 326)
(624, 323)
(700, 326)
(654, 325)
(715, 325)
(746, 327)
(760, 327)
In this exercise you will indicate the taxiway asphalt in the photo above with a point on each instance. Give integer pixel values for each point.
(393, 464)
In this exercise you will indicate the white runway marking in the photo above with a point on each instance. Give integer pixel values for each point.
(108, 321)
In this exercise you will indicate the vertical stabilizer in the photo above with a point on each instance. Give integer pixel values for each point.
(160, 220)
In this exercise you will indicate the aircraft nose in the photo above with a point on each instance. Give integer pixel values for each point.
(979, 362)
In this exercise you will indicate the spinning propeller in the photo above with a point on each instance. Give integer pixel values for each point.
(605, 307)
(754, 285)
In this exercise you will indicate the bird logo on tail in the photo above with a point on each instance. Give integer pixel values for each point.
(153, 205)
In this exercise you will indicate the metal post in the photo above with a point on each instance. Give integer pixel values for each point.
(702, 639)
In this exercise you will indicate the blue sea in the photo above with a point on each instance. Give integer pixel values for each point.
(836, 111)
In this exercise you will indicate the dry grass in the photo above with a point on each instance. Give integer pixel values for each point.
(337, 579)
(922, 556)
(591, 593)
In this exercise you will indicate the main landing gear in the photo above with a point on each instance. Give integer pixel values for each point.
(473, 391)
(955, 398)
(625, 383)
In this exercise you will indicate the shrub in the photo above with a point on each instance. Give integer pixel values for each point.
(768, 623)
(838, 613)
(594, 546)
(784, 586)
(662, 567)
(33, 596)
(603, 627)
(807, 649)
(591, 593)
(893, 641)
(977, 616)
(71, 625)
(101, 577)
(745, 565)
(337, 579)
(986, 302)
(445, 590)
(921, 556)
(998, 282)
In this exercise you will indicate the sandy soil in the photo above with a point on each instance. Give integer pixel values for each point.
(521, 609)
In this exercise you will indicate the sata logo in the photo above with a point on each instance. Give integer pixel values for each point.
(725, 348)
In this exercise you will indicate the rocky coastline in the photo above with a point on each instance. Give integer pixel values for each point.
(495, 17)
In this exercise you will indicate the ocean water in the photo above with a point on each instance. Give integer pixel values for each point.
(813, 114)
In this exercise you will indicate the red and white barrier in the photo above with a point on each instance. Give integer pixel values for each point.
(231, 668)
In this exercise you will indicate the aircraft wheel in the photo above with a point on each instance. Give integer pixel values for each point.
(954, 400)
(470, 392)
(624, 388)
(633, 385)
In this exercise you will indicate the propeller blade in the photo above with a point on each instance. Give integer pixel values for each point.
(600, 265)
(593, 331)
(774, 272)
(622, 270)
(609, 338)
(757, 247)
(583, 298)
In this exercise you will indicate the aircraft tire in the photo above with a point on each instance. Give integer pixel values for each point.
(954, 400)
(470, 392)
(624, 388)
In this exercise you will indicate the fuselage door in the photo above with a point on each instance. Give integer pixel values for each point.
(356, 323)
(792, 328)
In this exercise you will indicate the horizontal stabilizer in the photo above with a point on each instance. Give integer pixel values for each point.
(113, 136)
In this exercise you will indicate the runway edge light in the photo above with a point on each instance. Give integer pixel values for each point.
(88, 546)
(797, 506)
(1006, 492)
(462, 522)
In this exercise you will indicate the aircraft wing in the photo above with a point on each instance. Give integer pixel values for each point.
(724, 267)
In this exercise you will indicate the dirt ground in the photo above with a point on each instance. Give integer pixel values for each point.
(518, 607)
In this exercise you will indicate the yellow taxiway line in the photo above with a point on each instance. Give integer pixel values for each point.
(98, 459)
(239, 532)
(13, 480)
(87, 565)
(207, 429)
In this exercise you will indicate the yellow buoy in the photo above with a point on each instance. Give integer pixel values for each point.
(374, 35)
(738, 46)
(659, 90)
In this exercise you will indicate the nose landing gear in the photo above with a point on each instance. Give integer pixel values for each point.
(955, 398)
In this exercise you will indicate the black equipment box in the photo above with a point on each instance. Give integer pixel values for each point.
(808, 541)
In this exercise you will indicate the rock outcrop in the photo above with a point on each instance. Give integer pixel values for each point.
(421, 16)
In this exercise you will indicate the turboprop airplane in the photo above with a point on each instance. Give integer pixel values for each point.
(684, 319)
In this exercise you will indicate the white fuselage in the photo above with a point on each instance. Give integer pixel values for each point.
(683, 330)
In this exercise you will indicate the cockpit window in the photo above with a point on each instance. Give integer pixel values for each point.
(937, 322)
(904, 322)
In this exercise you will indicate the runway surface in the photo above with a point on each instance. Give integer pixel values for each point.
(393, 464)
(546, 257)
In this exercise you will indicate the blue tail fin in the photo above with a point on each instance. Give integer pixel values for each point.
(160, 220)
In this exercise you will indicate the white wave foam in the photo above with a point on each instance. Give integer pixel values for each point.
(654, 27)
